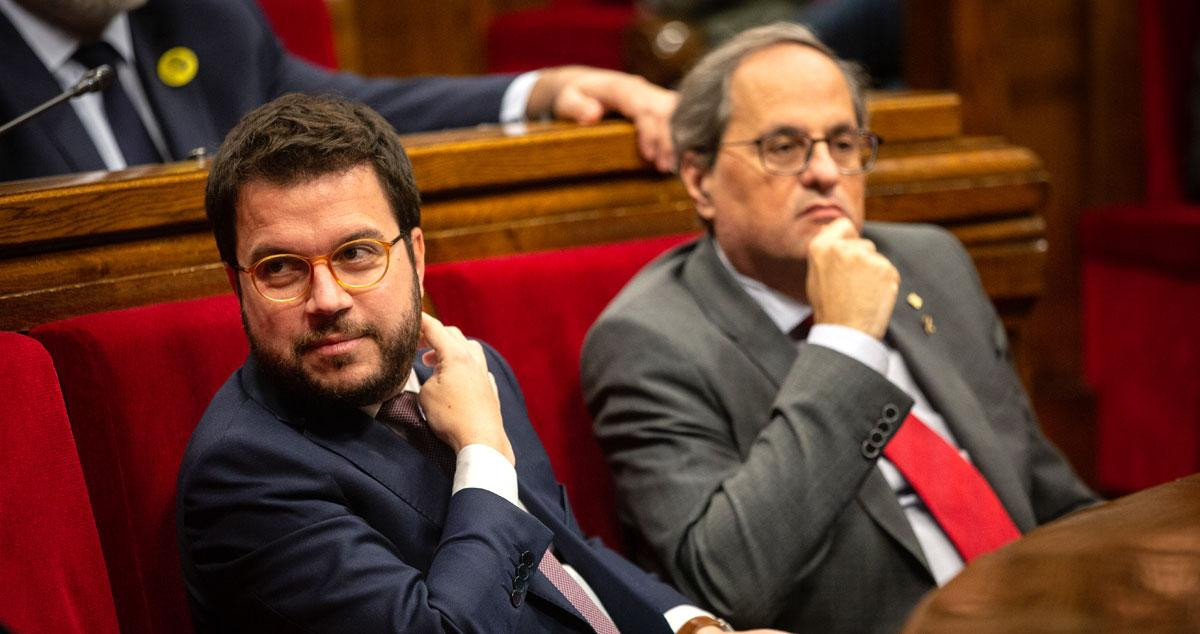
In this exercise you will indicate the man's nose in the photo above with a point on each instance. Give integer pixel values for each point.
(822, 171)
(326, 296)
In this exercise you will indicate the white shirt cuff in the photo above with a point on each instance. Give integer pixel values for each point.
(853, 343)
(481, 467)
(516, 97)
(681, 614)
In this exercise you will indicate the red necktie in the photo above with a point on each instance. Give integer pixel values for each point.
(953, 490)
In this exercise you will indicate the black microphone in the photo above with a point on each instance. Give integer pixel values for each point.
(95, 80)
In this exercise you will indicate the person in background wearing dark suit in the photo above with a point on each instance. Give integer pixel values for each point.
(820, 479)
(342, 481)
(187, 70)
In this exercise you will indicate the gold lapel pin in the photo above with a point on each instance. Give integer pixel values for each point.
(927, 324)
(915, 301)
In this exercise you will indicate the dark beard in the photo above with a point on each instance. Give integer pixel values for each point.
(397, 350)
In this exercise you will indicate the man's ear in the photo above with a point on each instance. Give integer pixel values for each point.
(232, 275)
(418, 252)
(696, 180)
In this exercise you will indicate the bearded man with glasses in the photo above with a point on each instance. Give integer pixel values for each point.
(812, 420)
(343, 481)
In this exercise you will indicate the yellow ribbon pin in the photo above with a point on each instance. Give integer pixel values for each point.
(178, 66)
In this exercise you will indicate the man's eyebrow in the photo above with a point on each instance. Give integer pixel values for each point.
(265, 250)
(794, 131)
(786, 129)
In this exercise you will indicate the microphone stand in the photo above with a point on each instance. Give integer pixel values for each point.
(95, 80)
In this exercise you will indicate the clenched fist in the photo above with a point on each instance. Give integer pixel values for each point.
(849, 282)
(460, 398)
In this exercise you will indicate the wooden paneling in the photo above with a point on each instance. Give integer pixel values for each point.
(90, 242)
(418, 37)
(1062, 78)
(1114, 164)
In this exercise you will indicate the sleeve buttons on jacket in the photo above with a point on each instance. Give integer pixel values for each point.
(891, 413)
(870, 450)
(521, 580)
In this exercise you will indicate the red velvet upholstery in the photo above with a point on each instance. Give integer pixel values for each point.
(535, 310)
(136, 382)
(1141, 284)
(1167, 33)
(565, 32)
(52, 575)
(304, 27)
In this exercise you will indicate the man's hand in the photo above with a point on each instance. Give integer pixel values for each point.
(849, 282)
(583, 94)
(460, 399)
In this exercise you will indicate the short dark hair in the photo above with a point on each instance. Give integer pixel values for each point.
(298, 137)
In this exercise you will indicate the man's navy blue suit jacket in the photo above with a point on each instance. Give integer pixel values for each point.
(242, 65)
(295, 517)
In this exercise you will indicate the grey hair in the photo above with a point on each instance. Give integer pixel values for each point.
(703, 111)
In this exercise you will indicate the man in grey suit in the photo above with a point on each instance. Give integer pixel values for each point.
(820, 480)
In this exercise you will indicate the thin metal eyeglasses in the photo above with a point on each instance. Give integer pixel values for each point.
(788, 152)
(355, 265)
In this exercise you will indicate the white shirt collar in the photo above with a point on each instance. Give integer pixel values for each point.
(54, 46)
(785, 312)
(413, 384)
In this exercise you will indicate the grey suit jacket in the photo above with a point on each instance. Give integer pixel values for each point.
(747, 467)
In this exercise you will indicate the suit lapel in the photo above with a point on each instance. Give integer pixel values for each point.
(182, 112)
(879, 501)
(27, 83)
(382, 454)
(928, 357)
(364, 442)
(736, 313)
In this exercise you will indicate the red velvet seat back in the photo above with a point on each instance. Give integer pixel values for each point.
(535, 310)
(52, 574)
(565, 32)
(1141, 282)
(136, 382)
(304, 28)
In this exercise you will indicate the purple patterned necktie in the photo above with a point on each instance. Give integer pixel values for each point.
(566, 584)
(404, 416)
